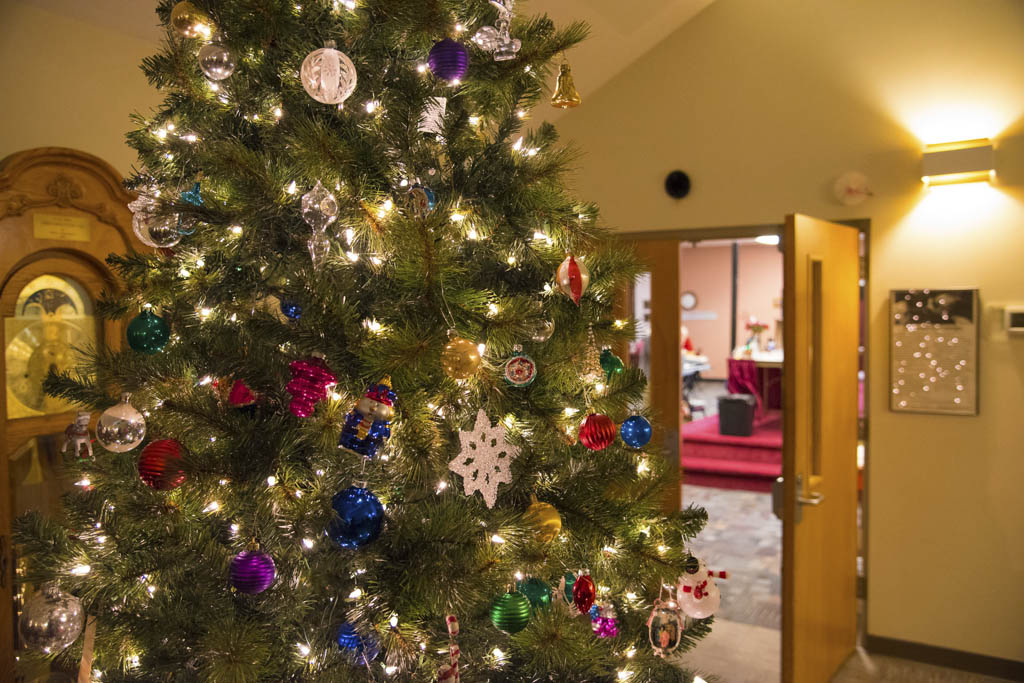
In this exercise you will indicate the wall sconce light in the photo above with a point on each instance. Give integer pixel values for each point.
(968, 161)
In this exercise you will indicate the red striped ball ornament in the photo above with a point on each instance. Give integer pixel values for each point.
(160, 465)
(597, 432)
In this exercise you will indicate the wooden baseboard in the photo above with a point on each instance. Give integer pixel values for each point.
(940, 656)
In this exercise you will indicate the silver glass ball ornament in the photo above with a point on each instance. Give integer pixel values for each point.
(543, 331)
(121, 427)
(160, 231)
(216, 60)
(51, 620)
(328, 75)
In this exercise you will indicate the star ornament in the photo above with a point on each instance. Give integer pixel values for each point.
(485, 459)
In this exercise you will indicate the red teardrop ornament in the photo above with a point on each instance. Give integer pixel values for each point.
(583, 593)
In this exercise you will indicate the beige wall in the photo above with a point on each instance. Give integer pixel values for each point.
(764, 104)
(67, 83)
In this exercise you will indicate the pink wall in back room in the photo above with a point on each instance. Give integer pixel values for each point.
(707, 272)
(759, 289)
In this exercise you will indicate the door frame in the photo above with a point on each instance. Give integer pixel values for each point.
(699, 234)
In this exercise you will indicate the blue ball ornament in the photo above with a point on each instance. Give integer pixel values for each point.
(359, 517)
(360, 649)
(449, 60)
(291, 309)
(636, 431)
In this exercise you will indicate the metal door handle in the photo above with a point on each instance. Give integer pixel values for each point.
(815, 499)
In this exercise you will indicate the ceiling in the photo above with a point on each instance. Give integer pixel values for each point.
(622, 31)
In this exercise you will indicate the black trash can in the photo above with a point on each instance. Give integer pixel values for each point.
(736, 414)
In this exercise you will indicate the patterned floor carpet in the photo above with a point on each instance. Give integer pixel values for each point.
(744, 538)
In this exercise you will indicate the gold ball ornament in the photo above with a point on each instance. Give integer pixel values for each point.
(190, 21)
(545, 518)
(460, 358)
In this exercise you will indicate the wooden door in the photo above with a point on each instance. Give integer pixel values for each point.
(819, 548)
(664, 374)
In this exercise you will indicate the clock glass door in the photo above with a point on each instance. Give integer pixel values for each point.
(53, 321)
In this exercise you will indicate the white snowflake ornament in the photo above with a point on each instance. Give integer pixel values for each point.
(485, 459)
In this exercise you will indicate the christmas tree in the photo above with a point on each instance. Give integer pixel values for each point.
(370, 427)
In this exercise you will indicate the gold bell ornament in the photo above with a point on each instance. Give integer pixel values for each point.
(545, 518)
(190, 21)
(565, 96)
(460, 358)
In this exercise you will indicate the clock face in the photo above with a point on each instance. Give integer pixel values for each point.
(688, 301)
(52, 321)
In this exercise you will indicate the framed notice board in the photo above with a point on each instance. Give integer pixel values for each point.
(933, 351)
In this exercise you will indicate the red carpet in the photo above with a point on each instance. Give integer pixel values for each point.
(749, 463)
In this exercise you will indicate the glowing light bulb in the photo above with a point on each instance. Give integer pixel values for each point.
(302, 648)
(355, 594)
(497, 539)
(212, 506)
(236, 229)
(308, 543)
(80, 569)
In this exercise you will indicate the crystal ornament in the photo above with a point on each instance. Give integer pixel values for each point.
(51, 620)
(485, 459)
(121, 427)
(496, 39)
(592, 370)
(328, 75)
(319, 210)
(216, 60)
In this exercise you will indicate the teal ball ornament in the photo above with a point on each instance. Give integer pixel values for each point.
(536, 591)
(511, 612)
(570, 580)
(636, 431)
(148, 333)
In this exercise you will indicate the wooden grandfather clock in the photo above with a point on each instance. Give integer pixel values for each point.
(61, 213)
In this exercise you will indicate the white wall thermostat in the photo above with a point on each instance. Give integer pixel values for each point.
(1014, 317)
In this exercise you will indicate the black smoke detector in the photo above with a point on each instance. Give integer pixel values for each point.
(677, 184)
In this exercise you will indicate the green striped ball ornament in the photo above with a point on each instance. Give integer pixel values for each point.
(511, 612)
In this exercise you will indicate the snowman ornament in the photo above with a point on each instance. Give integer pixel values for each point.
(697, 593)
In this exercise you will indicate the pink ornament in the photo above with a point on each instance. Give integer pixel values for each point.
(310, 380)
(240, 395)
(606, 627)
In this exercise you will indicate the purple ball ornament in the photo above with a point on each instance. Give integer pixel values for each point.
(252, 571)
(449, 60)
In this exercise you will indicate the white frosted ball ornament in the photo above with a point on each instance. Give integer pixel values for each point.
(216, 60)
(328, 75)
(121, 427)
(51, 620)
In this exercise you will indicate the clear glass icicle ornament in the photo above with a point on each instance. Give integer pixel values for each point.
(319, 210)
(592, 372)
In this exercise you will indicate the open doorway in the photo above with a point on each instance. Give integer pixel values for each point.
(730, 341)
